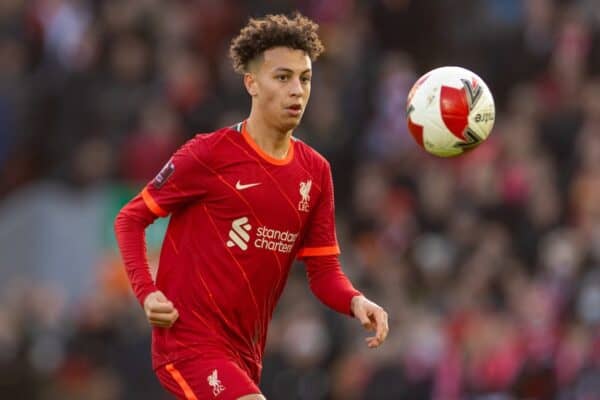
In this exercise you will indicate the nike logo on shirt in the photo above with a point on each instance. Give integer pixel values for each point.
(239, 186)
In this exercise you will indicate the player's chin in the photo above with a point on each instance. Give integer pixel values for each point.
(291, 121)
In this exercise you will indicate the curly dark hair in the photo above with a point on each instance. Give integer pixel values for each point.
(260, 34)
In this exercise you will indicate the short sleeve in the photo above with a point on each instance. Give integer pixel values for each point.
(320, 238)
(182, 180)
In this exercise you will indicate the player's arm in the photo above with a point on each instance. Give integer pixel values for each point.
(130, 227)
(177, 184)
(333, 288)
(329, 284)
(327, 281)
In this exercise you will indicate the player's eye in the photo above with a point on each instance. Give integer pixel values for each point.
(306, 79)
(281, 78)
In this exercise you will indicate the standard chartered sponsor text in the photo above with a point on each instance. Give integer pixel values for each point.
(275, 240)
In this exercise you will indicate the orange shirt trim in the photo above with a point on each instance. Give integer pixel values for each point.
(152, 205)
(318, 251)
(289, 156)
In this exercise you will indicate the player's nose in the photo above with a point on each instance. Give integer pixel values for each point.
(296, 88)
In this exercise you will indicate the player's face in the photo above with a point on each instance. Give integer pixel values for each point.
(281, 86)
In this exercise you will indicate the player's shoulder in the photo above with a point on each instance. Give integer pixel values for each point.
(310, 155)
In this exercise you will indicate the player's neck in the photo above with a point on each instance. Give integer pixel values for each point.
(270, 140)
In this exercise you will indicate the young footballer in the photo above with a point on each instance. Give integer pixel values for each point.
(244, 201)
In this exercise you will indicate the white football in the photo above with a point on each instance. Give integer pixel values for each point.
(450, 110)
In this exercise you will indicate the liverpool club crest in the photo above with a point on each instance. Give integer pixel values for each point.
(305, 194)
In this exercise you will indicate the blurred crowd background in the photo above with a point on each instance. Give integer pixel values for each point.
(489, 264)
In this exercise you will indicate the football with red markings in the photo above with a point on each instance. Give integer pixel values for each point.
(450, 110)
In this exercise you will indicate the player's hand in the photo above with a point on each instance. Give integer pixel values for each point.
(159, 310)
(372, 317)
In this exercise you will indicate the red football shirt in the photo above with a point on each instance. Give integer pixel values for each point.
(238, 220)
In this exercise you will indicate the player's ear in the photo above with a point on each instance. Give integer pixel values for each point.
(250, 83)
